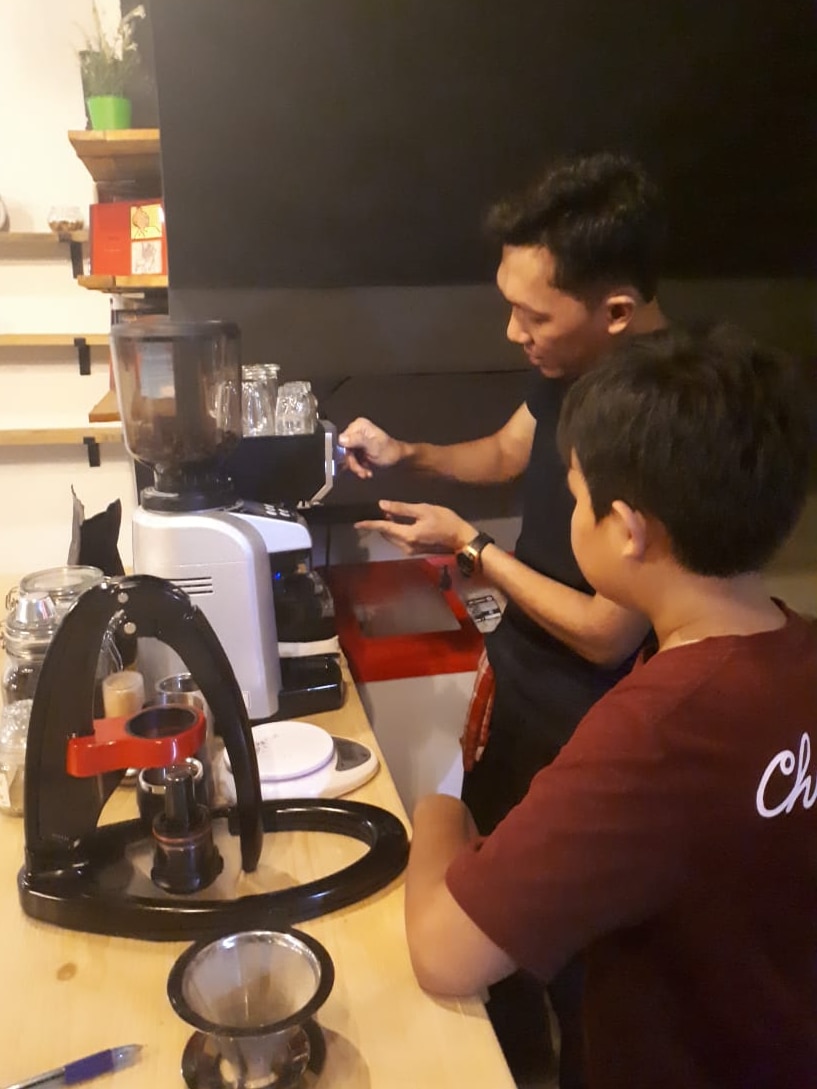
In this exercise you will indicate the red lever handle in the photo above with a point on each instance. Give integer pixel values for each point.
(153, 738)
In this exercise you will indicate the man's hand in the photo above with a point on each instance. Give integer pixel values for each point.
(423, 527)
(368, 447)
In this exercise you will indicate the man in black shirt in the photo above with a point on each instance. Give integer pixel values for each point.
(579, 269)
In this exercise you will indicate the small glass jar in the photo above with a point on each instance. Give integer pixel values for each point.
(27, 633)
(64, 585)
(64, 219)
(14, 720)
(37, 608)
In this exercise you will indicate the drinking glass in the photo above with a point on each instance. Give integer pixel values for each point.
(257, 404)
(225, 405)
(297, 410)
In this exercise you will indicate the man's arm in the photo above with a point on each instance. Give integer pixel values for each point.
(442, 828)
(494, 459)
(591, 625)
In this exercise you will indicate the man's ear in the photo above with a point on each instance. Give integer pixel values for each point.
(620, 306)
(632, 529)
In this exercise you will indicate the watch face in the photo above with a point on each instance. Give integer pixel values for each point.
(466, 563)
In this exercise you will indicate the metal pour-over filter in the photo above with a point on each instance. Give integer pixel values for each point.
(250, 995)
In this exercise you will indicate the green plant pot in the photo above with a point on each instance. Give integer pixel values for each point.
(109, 112)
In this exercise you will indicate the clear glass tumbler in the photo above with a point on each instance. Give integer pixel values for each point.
(297, 409)
(271, 373)
(257, 403)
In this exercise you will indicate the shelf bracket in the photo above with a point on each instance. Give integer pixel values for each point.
(83, 355)
(94, 460)
(77, 265)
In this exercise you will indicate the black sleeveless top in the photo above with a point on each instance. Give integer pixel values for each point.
(546, 681)
(547, 505)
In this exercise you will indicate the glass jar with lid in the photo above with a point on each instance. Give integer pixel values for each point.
(27, 632)
(64, 585)
(36, 609)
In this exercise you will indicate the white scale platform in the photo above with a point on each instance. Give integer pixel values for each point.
(299, 760)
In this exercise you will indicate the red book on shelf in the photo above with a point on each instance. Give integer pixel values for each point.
(128, 239)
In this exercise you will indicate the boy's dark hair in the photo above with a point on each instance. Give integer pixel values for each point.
(600, 217)
(706, 431)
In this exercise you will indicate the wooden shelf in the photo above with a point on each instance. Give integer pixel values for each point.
(58, 436)
(52, 340)
(122, 155)
(122, 162)
(106, 410)
(122, 283)
(40, 239)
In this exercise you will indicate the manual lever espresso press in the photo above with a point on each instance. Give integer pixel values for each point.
(180, 880)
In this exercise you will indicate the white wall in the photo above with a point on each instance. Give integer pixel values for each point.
(40, 100)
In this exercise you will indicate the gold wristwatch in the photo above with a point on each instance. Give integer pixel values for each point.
(469, 559)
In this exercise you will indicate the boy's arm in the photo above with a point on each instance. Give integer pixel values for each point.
(442, 828)
(598, 844)
(591, 625)
(494, 459)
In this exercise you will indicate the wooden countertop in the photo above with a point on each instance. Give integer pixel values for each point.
(68, 994)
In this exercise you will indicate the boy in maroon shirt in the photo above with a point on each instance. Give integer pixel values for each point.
(675, 836)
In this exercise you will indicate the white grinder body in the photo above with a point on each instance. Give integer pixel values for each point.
(220, 558)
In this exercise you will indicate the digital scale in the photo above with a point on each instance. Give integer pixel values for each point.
(299, 760)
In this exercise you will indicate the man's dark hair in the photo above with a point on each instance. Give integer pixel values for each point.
(600, 217)
(705, 431)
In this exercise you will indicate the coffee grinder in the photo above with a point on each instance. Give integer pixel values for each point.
(179, 391)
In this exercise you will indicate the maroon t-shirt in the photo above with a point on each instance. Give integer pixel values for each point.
(675, 839)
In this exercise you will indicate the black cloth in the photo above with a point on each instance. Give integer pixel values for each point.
(543, 690)
(547, 686)
(552, 686)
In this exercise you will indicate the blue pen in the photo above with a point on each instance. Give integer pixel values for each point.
(103, 1062)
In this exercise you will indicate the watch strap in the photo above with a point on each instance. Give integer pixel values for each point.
(472, 552)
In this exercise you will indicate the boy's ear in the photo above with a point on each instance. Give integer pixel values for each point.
(633, 530)
(620, 307)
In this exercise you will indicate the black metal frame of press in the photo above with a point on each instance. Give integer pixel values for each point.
(76, 872)
(80, 901)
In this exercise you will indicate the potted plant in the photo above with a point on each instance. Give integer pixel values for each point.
(107, 63)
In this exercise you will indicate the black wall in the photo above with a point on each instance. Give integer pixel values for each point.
(337, 143)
